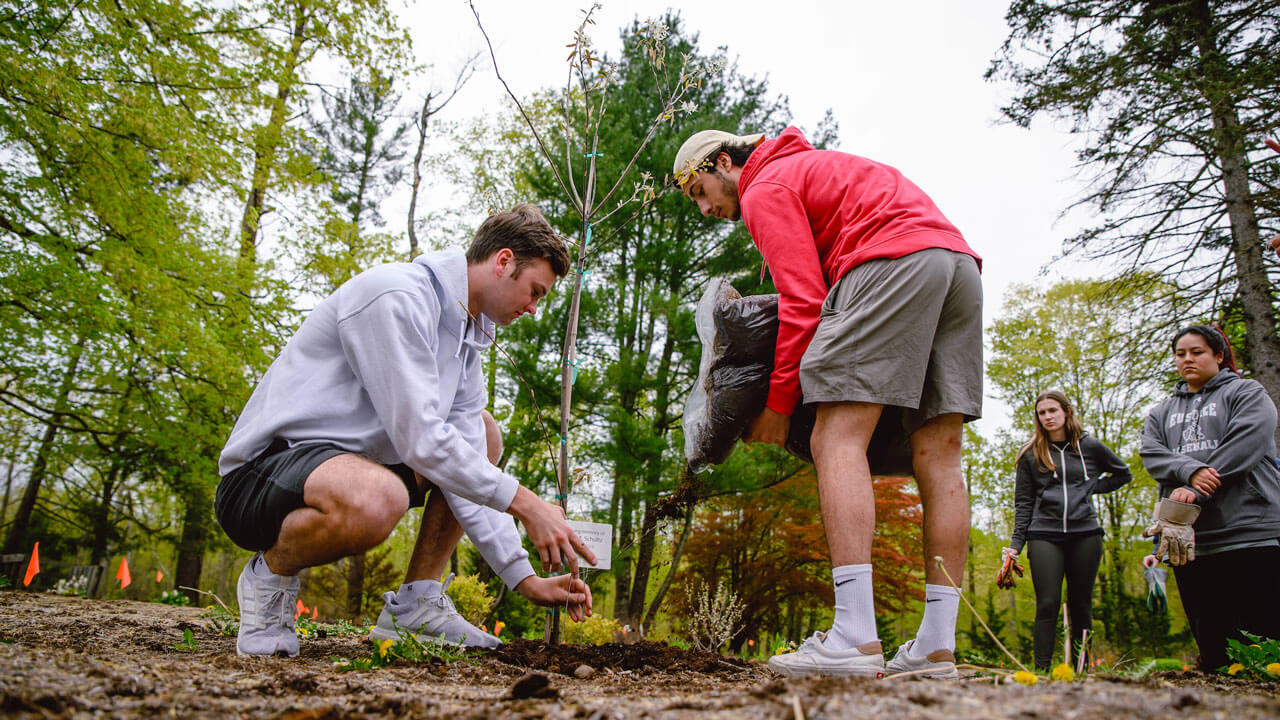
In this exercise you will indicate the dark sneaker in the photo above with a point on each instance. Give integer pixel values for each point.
(267, 608)
(814, 658)
(937, 664)
(431, 618)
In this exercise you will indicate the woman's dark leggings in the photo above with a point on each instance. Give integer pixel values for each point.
(1225, 593)
(1077, 560)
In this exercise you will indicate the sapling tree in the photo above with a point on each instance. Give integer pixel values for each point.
(584, 104)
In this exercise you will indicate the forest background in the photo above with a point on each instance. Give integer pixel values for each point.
(179, 184)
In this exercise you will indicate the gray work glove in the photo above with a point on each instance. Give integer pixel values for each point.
(1173, 522)
(1157, 599)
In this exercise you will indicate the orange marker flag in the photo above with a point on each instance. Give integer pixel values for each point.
(315, 613)
(122, 574)
(33, 567)
(159, 576)
(300, 609)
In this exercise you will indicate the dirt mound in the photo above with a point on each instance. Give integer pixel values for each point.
(71, 658)
(642, 658)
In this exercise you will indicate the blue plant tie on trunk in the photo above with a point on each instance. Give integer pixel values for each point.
(573, 380)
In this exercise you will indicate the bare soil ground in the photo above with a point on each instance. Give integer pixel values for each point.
(70, 657)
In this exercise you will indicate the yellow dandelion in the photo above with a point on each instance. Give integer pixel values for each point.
(1235, 668)
(1273, 669)
(1025, 678)
(384, 647)
(1063, 673)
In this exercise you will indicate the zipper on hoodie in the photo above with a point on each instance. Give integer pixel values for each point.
(1066, 501)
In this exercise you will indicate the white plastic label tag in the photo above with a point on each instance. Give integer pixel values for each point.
(598, 537)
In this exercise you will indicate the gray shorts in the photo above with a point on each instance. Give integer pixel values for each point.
(903, 332)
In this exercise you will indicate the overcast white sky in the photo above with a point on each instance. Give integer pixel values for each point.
(904, 80)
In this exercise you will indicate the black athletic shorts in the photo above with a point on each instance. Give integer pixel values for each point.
(253, 500)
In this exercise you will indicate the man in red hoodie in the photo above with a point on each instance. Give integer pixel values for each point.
(880, 311)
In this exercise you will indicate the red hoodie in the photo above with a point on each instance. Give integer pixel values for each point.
(814, 214)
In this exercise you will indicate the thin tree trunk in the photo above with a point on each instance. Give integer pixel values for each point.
(196, 521)
(424, 117)
(100, 516)
(355, 584)
(16, 541)
(267, 141)
(622, 568)
(652, 613)
(8, 489)
(644, 563)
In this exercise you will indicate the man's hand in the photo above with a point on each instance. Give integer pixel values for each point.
(1183, 495)
(1205, 480)
(770, 427)
(549, 532)
(559, 591)
(1173, 523)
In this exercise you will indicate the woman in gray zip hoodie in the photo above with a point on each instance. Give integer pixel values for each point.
(1059, 470)
(1213, 444)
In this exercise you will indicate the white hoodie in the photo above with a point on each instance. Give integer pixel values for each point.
(388, 367)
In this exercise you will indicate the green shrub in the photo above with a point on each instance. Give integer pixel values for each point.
(595, 630)
(470, 597)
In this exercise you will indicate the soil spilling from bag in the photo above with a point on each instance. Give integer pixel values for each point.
(644, 658)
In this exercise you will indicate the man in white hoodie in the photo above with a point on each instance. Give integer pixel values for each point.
(375, 402)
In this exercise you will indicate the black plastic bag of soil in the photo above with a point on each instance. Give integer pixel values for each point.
(738, 337)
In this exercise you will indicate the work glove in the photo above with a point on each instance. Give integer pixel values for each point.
(1009, 566)
(1173, 522)
(1157, 599)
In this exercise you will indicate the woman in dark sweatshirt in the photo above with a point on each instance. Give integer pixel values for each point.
(1059, 469)
(1212, 449)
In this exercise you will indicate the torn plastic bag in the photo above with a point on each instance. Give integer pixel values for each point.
(738, 337)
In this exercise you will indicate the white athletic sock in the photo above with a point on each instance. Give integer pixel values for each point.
(938, 626)
(855, 621)
(410, 592)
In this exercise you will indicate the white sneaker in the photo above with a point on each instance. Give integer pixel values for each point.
(432, 618)
(813, 658)
(937, 664)
(267, 608)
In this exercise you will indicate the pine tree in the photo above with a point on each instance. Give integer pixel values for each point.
(1174, 100)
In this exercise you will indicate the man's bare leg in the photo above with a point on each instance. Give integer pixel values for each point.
(936, 460)
(439, 533)
(352, 505)
(418, 605)
(840, 438)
